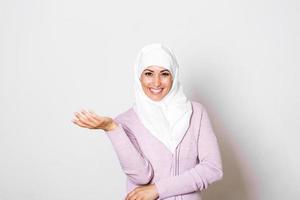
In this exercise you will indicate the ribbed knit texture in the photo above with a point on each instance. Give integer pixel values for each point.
(182, 175)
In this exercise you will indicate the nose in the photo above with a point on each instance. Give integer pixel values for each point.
(157, 81)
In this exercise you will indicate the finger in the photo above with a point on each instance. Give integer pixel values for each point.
(92, 117)
(130, 198)
(131, 194)
(92, 113)
(134, 197)
(89, 117)
(128, 195)
(83, 119)
(95, 116)
(79, 115)
(76, 121)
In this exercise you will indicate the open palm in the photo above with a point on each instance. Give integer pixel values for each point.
(89, 119)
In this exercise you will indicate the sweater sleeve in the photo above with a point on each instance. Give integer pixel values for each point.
(207, 171)
(134, 164)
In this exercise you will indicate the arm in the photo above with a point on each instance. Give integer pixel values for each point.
(137, 168)
(207, 171)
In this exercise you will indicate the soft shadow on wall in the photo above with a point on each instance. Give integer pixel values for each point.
(233, 186)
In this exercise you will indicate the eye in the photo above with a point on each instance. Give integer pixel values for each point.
(165, 74)
(148, 73)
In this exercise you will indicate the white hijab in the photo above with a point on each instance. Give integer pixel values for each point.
(169, 118)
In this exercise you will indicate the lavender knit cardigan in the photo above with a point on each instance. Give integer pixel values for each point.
(181, 175)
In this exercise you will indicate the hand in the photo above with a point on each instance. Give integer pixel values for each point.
(148, 192)
(89, 119)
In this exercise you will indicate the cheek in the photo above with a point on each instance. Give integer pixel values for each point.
(167, 83)
(145, 84)
(144, 81)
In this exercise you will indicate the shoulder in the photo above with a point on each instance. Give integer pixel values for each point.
(197, 106)
(128, 121)
(125, 117)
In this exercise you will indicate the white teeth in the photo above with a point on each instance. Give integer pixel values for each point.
(155, 91)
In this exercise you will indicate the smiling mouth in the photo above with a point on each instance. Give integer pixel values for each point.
(155, 91)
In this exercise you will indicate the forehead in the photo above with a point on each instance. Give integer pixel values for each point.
(156, 68)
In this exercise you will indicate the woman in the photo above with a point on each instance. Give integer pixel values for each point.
(165, 143)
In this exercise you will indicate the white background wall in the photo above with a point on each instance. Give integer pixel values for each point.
(238, 58)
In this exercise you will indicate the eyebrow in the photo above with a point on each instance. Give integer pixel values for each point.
(160, 71)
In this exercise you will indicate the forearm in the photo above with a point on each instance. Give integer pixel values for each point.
(197, 178)
(137, 168)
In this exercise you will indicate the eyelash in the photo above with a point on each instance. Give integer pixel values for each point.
(149, 73)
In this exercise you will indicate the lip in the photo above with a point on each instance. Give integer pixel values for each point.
(155, 91)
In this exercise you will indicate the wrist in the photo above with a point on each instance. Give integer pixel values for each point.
(111, 126)
(156, 190)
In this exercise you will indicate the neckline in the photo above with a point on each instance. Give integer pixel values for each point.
(155, 138)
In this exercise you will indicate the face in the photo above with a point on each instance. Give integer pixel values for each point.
(156, 82)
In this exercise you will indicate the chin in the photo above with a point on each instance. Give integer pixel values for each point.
(156, 98)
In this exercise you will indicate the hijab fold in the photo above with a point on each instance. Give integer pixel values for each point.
(169, 118)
